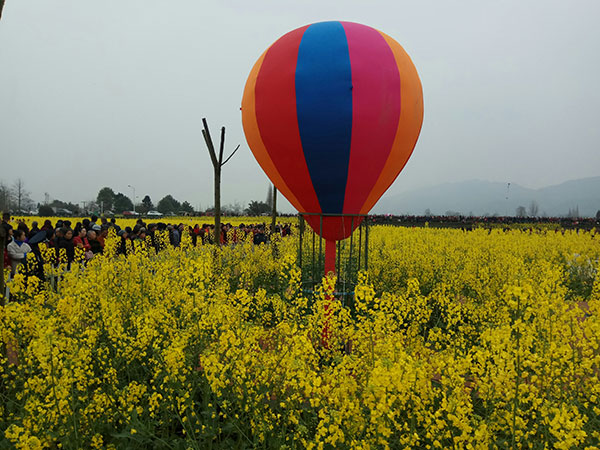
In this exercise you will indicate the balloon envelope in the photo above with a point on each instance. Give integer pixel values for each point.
(332, 112)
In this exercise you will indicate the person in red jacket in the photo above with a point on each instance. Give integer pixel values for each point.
(81, 241)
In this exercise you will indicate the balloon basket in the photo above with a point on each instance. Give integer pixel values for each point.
(349, 257)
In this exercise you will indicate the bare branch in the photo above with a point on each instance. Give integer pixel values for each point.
(207, 132)
(1, 7)
(236, 149)
(222, 145)
(211, 149)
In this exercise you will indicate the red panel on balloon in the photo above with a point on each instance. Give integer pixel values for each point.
(277, 118)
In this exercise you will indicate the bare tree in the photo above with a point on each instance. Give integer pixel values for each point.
(233, 209)
(521, 211)
(218, 163)
(5, 197)
(534, 209)
(20, 195)
(573, 212)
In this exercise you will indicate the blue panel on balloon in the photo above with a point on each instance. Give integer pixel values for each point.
(324, 108)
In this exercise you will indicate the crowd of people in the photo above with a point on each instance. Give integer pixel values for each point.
(454, 221)
(89, 237)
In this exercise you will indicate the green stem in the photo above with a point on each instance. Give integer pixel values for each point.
(517, 379)
(53, 376)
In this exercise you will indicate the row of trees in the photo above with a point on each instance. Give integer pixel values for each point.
(17, 199)
(521, 211)
(108, 200)
(118, 202)
(534, 210)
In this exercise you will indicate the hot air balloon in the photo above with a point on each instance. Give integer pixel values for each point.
(332, 112)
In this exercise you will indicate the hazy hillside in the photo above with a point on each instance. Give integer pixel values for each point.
(485, 197)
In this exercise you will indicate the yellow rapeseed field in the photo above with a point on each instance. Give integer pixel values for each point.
(482, 339)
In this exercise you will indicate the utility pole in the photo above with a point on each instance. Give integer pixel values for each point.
(218, 163)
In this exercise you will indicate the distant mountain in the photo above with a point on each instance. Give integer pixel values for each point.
(488, 198)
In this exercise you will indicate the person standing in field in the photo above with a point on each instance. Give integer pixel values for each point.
(23, 226)
(17, 251)
(34, 230)
(51, 238)
(113, 223)
(102, 234)
(122, 248)
(58, 235)
(80, 240)
(66, 242)
(95, 245)
(7, 226)
(174, 236)
(152, 227)
(98, 231)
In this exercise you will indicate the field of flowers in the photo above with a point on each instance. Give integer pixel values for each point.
(482, 339)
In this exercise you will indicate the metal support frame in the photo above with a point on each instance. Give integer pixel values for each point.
(349, 255)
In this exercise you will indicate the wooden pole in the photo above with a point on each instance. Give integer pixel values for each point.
(217, 162)
(217, 238)
(218, 189)
(274, 210)
(217, 180)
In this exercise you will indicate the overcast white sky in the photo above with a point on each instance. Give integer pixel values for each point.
(112, 93)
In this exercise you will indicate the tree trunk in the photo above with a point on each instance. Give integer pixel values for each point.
(1, 7)
(218, 205)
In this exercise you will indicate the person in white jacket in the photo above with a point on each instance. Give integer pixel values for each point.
(17, 251)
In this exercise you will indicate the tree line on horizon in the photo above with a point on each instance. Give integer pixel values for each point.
(17, 199)
(108, 200)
